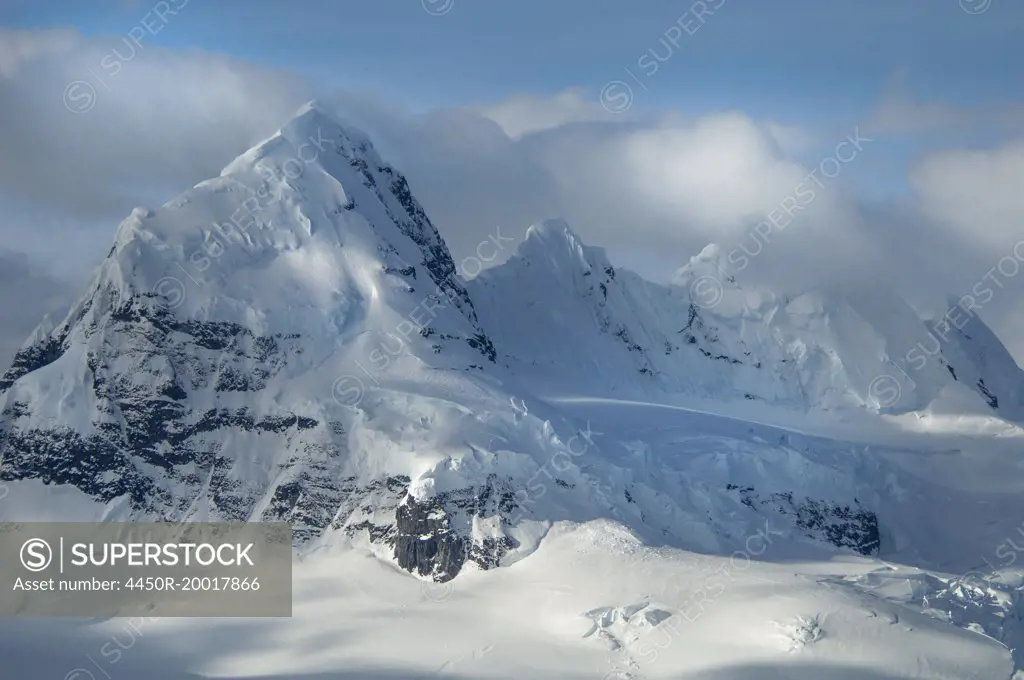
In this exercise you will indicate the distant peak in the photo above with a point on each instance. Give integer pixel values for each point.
(553, 241)
(711, 261)
(552, 236)
(711, 253)
(556, 228)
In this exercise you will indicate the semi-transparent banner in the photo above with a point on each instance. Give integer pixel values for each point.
(145, 569)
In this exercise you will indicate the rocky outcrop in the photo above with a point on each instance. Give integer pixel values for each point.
(843, 526)
(33, 357)
(425, 541)
(433, 537)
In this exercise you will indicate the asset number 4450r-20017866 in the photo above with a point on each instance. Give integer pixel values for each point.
(213, 583)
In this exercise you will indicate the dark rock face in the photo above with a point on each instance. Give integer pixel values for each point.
(33, 358)
(434, 537)
(842, 526)
(142, 363)
(483, 344)
(430, 537)
(990, 398)
(371, 508)
(425, 542)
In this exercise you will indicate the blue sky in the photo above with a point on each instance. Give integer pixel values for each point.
(790, 60)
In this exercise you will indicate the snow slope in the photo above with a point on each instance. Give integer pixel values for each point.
(546, 447)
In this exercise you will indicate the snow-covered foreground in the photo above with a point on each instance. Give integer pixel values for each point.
(591, 603)
(596, 601)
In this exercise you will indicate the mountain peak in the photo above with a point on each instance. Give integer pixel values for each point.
(549, 229)
(304, 137)
(308, 233)
(711, 261)
(314, 205)
(553, 242)
(314, 107)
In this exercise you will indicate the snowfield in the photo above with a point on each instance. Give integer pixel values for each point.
(554, 470)
(593, 602)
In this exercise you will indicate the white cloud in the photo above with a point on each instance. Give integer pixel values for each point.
(158, 122)
(713, 174)
(653, 192)
(977, 194)
(525, 113)
(972, 204)
(18, 47)
(27, 294)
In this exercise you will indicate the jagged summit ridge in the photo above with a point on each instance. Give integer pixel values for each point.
(708, 335)
(290, 205)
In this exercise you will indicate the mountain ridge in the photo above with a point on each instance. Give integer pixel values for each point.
(706, 335)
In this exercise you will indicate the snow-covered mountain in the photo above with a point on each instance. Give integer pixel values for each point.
(707, 336)
(291, 340)
(211, 368)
